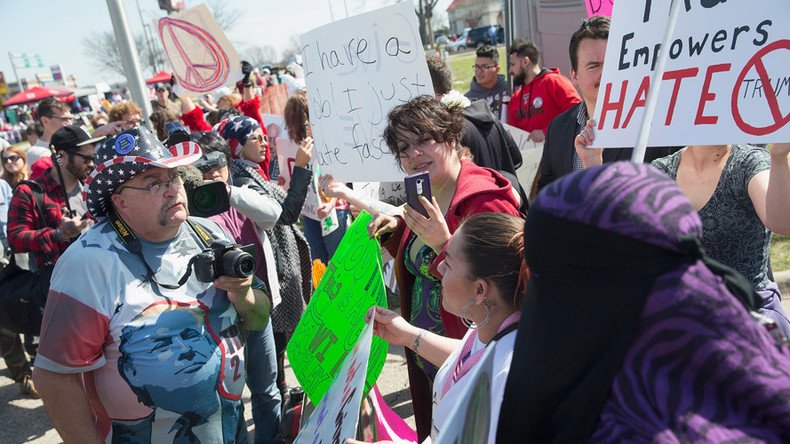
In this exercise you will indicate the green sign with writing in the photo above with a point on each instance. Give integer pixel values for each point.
(335, 317)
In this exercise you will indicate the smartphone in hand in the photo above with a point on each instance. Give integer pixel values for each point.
(418, 184)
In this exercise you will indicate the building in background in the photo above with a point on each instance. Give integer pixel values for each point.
(549, 24)
(464, 14)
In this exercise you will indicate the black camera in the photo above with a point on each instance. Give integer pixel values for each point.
(210, 198)
(224, 259)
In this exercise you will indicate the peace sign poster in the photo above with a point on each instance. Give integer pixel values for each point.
(200, 54)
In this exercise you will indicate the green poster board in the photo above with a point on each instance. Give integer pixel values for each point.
(335, 317)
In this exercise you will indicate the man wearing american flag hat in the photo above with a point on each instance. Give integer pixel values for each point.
(134, 347)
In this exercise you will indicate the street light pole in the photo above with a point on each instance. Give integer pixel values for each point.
(129, 57)
(151, 55)
(13, 65)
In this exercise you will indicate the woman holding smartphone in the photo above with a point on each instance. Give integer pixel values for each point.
(424, 134)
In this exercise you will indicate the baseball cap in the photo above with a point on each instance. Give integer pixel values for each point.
(71, 138)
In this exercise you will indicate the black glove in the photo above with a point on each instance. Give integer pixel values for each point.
(246, 70)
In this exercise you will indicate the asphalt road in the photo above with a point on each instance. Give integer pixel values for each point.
(24, 419)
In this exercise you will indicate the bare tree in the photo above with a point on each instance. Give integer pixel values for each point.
(102, 48)
(292, 48)
(473, 14)
(225, 15)
(424, 15)
(440, 21)
(260, 55)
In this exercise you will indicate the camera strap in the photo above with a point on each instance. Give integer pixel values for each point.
(133, 245)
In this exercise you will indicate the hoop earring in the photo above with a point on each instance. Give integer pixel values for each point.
(467, 321)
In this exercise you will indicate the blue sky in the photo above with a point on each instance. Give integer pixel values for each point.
(56, 28)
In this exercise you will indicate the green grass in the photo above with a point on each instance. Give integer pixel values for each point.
(780, 253)
(461, 67)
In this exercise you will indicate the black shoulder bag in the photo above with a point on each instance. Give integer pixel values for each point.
(23, 293)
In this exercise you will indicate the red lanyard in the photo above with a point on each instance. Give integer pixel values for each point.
(467, 360)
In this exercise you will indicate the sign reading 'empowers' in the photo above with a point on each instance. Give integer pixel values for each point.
(727, 77)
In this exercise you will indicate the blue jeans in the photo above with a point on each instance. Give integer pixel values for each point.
(262, 382)
(323, 247)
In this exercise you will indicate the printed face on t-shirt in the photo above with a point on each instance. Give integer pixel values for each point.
(168, 349)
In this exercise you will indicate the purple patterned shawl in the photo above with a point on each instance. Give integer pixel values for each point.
(694, 366)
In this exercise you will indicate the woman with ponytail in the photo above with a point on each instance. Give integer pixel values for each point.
(483, 282)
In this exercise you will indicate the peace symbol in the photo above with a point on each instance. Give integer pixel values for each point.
(204, 76)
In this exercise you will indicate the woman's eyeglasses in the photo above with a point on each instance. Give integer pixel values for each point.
(11, 159)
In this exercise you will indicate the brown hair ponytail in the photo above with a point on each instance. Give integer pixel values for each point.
(493, 246)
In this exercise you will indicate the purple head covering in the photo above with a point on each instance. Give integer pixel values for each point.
(629, 332)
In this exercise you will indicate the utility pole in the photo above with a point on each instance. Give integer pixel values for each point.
(129, 57)
(13, 65)
(146, 29)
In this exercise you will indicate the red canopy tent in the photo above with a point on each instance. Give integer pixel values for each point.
(160, 77)
(37, 93)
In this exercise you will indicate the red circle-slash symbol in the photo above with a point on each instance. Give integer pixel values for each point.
(768, 91)
(206, 65)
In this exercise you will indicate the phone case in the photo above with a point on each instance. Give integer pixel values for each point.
(418, 184)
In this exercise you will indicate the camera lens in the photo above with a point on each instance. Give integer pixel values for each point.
(238, 263)
(209, 199)
(204, 199)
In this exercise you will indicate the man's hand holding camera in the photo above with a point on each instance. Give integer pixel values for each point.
(251, 306)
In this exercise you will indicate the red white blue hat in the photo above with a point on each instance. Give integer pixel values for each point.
(121, 157)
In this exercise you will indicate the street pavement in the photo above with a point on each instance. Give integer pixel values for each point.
(24, 419)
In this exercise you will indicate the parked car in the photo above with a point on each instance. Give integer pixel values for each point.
(490, 35)
(458, 44)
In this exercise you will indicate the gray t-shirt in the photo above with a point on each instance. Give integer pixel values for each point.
(733, 233)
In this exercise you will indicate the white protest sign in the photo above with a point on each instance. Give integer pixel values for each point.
(200, 54)
(726, 78)
(469, 419)
(392, 193)
(531, 153)
(336, 416)
(275, 126)
(356, 71)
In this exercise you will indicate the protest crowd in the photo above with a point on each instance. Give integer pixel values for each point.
(162, 262)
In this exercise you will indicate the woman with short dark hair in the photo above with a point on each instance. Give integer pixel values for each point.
(423, 135)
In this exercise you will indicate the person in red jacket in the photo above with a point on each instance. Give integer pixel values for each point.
(424, 135)
(543, 94)
(249, 106)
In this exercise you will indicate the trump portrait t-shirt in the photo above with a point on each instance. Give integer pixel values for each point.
(159, 365)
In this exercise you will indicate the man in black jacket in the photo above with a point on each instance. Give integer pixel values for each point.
(488, 141)
(587, 51)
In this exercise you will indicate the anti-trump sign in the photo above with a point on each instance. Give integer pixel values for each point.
(727, 77)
